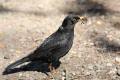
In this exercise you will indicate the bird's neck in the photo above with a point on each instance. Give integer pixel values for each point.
(66, 29)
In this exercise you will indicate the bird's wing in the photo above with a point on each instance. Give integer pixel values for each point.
(52, 42)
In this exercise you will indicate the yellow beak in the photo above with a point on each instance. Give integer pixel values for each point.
(83, 19)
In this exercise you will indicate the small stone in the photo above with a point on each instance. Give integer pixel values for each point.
(88, 73)
(109, 64)
(118, 72)
(52, 79)
(20, 79)
(6, 57)
(73, 74)
(112, 71)
(85, 43)
(117, 59)
(64, 73)
(63, 78)
(110, 37)
(95, 67)
(18, 51)
(99, 22)
(20, 74)
(90, 66)
(12, 50)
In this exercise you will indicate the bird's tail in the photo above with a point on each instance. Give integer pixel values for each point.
(13, 65)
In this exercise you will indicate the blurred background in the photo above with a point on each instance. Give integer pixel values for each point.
(95, 55)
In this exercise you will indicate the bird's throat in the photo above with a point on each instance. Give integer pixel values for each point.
(66, 29)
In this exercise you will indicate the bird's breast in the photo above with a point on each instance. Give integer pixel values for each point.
(66, 41)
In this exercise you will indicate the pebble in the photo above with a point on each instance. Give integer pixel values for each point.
(18, 51)
(109, 64)
(118, 72)
(12, 50)
(117, 59)
(90, 66)
(112, 71)
(73, 73)
(64, 75)
(63, 78)
(87, 73)
(6, 57)
(91, 44)
(20, 74)
(99, 22)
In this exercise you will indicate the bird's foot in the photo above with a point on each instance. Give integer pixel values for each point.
(51, 71)
(50, 67)
(54, 71)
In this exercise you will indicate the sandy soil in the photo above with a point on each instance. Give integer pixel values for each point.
(24, 24)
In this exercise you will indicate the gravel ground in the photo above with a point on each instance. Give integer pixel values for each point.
(24, 24)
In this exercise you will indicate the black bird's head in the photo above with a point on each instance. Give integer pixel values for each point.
(70, 21)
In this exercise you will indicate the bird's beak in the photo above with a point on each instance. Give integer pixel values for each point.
(83, 19)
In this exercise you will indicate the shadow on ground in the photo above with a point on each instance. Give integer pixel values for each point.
(116, 25)
(4, 10)
(89, 7)
(107, 45)
(32, 66)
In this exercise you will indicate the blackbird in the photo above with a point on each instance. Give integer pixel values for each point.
(55, 46)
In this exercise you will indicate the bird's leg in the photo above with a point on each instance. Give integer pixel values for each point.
(50, 67)
(54, 71)
(56, 64)
(51, 70)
